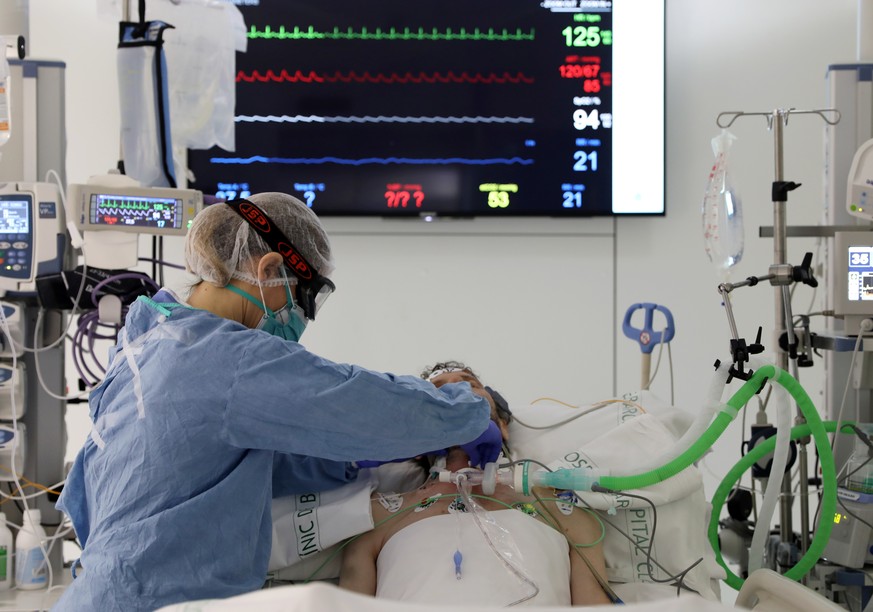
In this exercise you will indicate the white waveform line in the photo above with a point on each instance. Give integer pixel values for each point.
(377, 119)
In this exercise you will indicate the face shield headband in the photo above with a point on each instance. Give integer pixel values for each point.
(312, 288)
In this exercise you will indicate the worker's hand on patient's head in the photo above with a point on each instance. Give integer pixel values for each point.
(485, 448)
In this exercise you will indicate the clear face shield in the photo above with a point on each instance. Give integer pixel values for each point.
(312, 295)
(312, 287)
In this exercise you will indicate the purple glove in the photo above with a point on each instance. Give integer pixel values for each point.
(486, 447)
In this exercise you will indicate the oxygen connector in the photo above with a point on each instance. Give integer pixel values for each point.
(522, 479)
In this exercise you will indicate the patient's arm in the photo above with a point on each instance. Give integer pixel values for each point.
(358, 572)
(582, 528)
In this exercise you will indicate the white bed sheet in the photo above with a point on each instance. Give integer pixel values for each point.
(324, 596)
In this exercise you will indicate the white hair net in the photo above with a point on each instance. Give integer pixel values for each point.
(221, 245)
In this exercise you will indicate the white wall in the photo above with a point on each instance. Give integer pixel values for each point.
(739, 56)
(432, 294)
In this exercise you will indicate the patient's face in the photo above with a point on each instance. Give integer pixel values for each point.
(477, 387)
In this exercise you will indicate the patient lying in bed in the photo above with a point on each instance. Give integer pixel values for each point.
(429, 546)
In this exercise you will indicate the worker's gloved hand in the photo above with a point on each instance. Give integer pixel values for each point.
(485, 448)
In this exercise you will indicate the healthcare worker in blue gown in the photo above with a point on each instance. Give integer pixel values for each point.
(210, 408)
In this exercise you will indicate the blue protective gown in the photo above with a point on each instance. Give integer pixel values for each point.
(198, 423)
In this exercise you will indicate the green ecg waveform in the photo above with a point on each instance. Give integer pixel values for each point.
(127, 205)
(310, 33)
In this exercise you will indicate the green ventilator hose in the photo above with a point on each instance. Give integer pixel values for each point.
(718, 426)
(814, 426)
(828, 503)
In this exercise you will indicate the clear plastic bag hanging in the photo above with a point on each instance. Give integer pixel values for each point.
(5, 110)
(723, 235)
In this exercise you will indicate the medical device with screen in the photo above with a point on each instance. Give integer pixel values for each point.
(16, 235)
(144, 210)
(853, 288)
(489, 108)
(860, 283)
(33, 237)
(141, 211)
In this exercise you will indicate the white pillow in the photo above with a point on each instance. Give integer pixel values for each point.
(539, 443)
(621, 435)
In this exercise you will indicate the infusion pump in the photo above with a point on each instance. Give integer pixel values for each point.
(33, 237)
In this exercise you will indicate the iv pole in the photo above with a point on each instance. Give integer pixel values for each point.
(776, 121)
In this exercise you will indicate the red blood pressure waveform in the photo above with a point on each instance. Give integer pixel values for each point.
(380, 78)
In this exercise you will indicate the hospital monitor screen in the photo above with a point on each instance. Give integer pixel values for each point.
(853, 287)
(135, 211)
(15, 215)
(489, 108)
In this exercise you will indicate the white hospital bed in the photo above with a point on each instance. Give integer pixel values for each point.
(764, 591)
(619, 434)
(321, 596)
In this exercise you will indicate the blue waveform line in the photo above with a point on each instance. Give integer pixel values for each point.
(375, 119)
(259, 159)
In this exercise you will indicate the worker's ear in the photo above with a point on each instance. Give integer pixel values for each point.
(268, 266)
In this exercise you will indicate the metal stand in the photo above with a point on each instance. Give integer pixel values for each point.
(776, 121)
(45, 419)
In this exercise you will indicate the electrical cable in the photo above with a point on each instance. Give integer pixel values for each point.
(42, 489)
(678, 578)
(604, 584)
(161, 260)
(4, 325)
(90, 369)
(836, 437)
(866, 440)
(520, 461)
(402, 511)
(595, 407)
(154, 256)
(163, 263)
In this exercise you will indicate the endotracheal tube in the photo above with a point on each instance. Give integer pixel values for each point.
(523, 479)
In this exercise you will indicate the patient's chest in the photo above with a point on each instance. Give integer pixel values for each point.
(493, 557)
(435, 499)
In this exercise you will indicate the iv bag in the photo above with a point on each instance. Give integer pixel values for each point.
(5, 110)
(722, 212)
(146, 138)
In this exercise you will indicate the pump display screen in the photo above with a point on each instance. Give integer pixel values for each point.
(136, 211)
(488, 108)
(860, 274)
(15, 215)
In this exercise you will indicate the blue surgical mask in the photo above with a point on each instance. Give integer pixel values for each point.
(288, 322)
